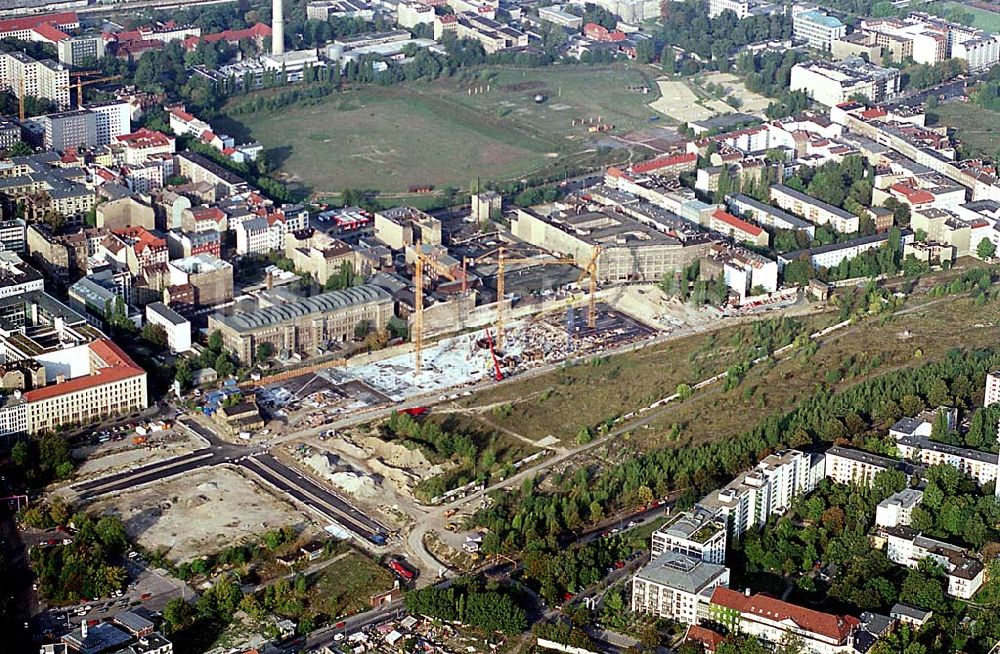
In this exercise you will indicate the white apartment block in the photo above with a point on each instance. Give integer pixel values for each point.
(253, 236)
(992, 393)
(980, 53)
(813, 210)
(754, 496)
(908, 547)
(113, 120)
(925, 44)
(847, 466)
(177, 328)
(674, 586)
(742, 8)
(897, 509)
(833, 82)
(696, 534)
(817, 28)
(913, 440)
(46, 79)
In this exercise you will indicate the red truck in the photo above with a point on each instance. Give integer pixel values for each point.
(415, 411)
(403, 571)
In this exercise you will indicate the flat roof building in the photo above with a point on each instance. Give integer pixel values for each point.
(305, 325)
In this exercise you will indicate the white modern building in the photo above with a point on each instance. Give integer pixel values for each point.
(673, 586)
(114, 119)
(992, 393)
(754, 496)
(813, 210)
(177, 328)
(696, 534)
(817, 28)
(908, 547)
(833, 82)
(847, 466)
(914, 442)
(22, 75)
(897, 509)
(742, 8)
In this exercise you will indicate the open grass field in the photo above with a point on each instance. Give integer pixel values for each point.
(562, 402)
(986, 20)
(977, 128)
(346, 584)
(387, 139)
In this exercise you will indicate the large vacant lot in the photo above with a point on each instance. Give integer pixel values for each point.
(438, 133)
(977, 128)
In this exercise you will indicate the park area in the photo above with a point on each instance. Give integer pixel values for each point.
(496, 124)
(981, 18)
(976, 128)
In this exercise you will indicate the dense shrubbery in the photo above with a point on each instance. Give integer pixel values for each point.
(466, 601)
(85, 568)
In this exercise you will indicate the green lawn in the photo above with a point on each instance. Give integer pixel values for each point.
(387, 139)
(986, 20)
(978, 129)
(345, 586)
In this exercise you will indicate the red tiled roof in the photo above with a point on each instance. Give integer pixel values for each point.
(874, 112)
(257, 31)
(118, 366)
(823, 624)
(913, 195)
(737, 223)
(51, 33)
(30, 22)
(145, 138)
(209, 213)
(664, 162)
(708, 638)
(183, 115)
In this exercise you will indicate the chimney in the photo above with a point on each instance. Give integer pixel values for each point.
(83, 630)
(747, 591)
(277, 27)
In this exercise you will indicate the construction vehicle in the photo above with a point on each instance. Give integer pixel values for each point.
(452, 526)
(450, 512)
(402, 570)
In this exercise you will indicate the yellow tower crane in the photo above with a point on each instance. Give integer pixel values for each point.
(418, 308)
(590, 270)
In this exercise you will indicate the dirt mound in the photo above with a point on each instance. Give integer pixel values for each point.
(329, 467)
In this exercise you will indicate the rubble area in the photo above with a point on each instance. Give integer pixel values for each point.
(120, 455)
(329, 466)
(198, 513)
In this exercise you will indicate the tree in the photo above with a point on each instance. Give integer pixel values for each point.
(986, 249)
(362, 329)
(154, 334)
(668, 61)
(264, 351)
(215, 342)
(645, 51)
(177, 615)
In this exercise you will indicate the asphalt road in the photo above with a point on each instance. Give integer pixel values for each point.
(323, 501)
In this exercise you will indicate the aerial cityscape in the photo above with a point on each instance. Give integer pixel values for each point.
(499, 326)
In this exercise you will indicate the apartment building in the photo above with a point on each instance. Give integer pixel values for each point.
(773, 621)
(742, 8)
(738, 229)
(925, 44)
(980, 53)
(23, 76)
(813, 210)
(13, 235)
(141, 146)
(908, 547)
(697, 534)
(674, 586)
(68, 129)
(817, 28)
(25, 28)
(81, 51)
(258, 236)
(42, 185)
(492, 35)
(400, 227)
(754, 496)
(897, 509)
(176, 326)
(767, 216)
(211, 278)
(848, 466)
(992, 393)
(745, 272)
(829, 256)
(114, 119)
(913, 440)
(833, 82)
(304, 325)
(91, 381)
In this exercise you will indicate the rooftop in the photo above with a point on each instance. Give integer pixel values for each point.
(325, 302)
(681, 572)
(835, 627)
